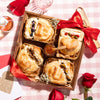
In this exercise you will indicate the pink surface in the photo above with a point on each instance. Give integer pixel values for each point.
(90, 63)
(4, 60)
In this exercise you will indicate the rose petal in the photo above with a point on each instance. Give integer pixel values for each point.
(88, 75)
(87, 84)
(18, 11)
(56, 95)
(24, 2)
(94, 80)
(13, 4)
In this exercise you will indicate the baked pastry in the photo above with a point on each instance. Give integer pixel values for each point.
(72, 39)
(39, 29)
(30, 59)
(58, 71)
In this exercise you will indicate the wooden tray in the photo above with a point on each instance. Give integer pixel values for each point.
(22, 40)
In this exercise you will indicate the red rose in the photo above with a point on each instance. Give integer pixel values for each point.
(18, 6)
(56, 95)
(88, 80)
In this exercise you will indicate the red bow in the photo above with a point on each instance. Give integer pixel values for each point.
(18, 6)
(77, 22)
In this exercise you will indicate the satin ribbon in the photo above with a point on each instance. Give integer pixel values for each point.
(18, 6)
(76, 22)
(15, 70)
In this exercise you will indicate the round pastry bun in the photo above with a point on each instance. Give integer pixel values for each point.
(44, 32)
(29, 59)
(56, 73)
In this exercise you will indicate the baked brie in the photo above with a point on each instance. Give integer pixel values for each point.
(39, 29)
(72, 39)
(58, 71)
(29, 60)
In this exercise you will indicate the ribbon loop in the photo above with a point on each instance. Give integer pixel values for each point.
(76, 22)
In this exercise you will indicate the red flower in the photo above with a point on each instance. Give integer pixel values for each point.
(56, 95)
(88, 80)
(18, 6)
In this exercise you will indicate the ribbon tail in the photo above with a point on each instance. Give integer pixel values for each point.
(91, 32)
(89, 42)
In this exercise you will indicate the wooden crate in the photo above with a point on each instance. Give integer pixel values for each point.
(22, 40)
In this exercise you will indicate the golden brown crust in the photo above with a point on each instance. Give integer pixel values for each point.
(30, 59)
(59, 71)
(44, 32)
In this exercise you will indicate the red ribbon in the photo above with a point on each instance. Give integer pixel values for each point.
(18, 6)
(77, 22)
(15, 70)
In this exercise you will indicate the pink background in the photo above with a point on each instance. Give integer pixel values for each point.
(90, 63)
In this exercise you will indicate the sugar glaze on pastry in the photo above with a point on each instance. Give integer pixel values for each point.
(38, 29)
(72, 39)
(29, 59)
(59, 71)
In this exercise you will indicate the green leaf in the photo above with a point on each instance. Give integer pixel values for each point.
(89, 98)
(75, 37)
(74, 99)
